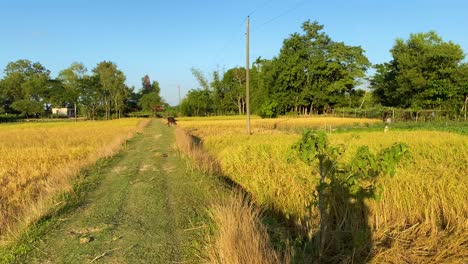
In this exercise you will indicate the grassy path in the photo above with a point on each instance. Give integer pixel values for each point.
(148, 208)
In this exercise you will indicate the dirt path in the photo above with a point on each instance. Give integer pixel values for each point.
(148, 208)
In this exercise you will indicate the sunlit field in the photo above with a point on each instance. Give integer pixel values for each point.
(422, 215)
(236, 125)
(38, 160)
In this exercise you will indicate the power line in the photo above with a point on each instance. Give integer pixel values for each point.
(299, 4)
(231, 40)
(240, 36)
(221, 53)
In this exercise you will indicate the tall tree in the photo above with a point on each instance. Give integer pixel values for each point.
(150, 102)
(422, 73)
(91, 96)
(198, 102)
(460, 99)
(71, 78)
(25, 87)
(146, 85)
(204, 83)
(150, 99)
(311, 71)
(2, 100)
(113, 85)
(218, 95)
(234, 81)
(155, 87)
(314, 71)
(258, 79)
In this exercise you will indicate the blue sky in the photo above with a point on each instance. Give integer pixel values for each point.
(164, 39)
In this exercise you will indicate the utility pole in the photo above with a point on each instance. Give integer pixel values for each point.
(247, 76)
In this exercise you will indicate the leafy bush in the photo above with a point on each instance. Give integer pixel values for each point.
(269, 109)
(343, 187)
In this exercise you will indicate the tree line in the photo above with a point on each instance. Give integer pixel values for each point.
(28, 89)
(314, 74)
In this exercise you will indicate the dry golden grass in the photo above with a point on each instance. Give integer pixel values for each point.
(236, 125)
(38, 160)
(422, 216)
(191, 146)
(240, 237)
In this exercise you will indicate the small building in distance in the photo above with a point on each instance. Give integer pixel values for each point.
(63, 111)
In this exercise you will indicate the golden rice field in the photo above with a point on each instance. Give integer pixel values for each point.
(39, 160)
(423, 215)
(236, 125)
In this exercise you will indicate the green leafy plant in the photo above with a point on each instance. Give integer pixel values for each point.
(268, 109)
(344, 185)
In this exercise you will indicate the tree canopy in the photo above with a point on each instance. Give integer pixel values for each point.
(425, 72)
(314, 71)
(25, 88)
(311, 73)
(28, 89)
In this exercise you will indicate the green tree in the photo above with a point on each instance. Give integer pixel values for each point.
(218, 95)
(115, 92)
(71, 79)
(217, 91)
(28, 107)
(150, 98)
(259, 93)
(146, 85)
(155, 87)
(201, 101)
(313, 71)
(422, 73)
(2, 101)
(91, 96)
(56, 95)
(197, 103)
(198, 74)
(234, 83)
(461, 94)
(25, 87)
(150, 101)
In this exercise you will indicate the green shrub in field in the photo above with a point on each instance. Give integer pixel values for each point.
(342, 189)
(269, 109)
